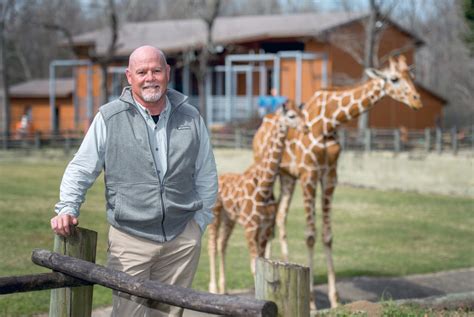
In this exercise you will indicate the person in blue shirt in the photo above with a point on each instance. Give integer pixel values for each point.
(268, 104)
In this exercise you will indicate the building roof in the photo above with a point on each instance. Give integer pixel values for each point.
(178, 35)
(39, 88)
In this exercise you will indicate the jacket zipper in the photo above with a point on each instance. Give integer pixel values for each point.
(163, 210)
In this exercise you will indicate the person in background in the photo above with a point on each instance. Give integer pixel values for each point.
(268, 104)
(160, 181)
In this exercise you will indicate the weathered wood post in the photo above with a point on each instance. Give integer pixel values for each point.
(75, 301)
(285, 284)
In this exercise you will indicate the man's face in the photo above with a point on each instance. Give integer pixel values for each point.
(148, 75)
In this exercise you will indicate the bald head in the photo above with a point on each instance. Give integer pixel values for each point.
(148, 75)
(146, 52)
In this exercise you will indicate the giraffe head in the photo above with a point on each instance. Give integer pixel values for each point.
(290, 116)
(398, 82)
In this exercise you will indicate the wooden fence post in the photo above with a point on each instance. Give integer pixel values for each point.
(76, 301)
(285, 284)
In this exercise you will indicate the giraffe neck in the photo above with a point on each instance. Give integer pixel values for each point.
(268, 167)
(340, 106)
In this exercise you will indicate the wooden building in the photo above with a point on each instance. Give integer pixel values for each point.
(297, 53)
(30, 109)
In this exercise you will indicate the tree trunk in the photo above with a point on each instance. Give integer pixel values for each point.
(4, 95)
(363, 122)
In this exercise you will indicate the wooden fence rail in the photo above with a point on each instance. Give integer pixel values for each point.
(38, 282)
(169, 294)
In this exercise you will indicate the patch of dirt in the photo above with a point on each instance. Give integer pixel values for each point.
(364, 307)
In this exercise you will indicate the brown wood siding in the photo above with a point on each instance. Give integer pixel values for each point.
(41, 113)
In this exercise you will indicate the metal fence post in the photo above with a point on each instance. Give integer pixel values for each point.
(427, 139)
(238, 138)
(37, 140)
(5, 141)
(367, 140)
(397, 140)
(439, 140)
(342, 138)
(67, 144)
(454, 140)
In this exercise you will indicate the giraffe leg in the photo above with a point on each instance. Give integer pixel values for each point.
(308, 183)
(224, 235)
(328, 185)
(267, 227)
(287, 189)
(251, 235)
(213, 231)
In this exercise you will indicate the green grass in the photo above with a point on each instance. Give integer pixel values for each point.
(375, 233)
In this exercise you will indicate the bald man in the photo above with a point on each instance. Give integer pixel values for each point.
(160, 181)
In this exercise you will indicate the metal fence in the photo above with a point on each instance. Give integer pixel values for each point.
(396, 140)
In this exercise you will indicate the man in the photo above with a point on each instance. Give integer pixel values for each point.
(160, 179)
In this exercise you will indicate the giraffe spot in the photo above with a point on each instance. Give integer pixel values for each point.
(345, 100)
(357, 94)
(354, 110)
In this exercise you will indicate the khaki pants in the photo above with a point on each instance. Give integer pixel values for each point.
(172, 262)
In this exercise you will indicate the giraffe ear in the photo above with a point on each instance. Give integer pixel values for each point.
(284, 107)
(374, 73)
(402, 63)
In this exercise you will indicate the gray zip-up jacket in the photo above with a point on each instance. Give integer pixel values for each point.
(139, 201)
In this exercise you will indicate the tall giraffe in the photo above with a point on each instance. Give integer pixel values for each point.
(312, 157)
(248, 199)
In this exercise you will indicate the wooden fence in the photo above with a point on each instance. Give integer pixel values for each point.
(397, 140)
(74, 276)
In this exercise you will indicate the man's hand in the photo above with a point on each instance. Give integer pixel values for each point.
(61, 224)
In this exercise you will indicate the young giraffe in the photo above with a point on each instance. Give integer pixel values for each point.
(313, 157)
(248, 199)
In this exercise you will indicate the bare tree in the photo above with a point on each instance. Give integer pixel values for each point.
(105, 59)
(207, 10)
(5, 11)
(444, 64)
(363, 47)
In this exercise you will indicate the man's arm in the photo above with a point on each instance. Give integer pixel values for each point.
(206, 179)
(79, 176)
